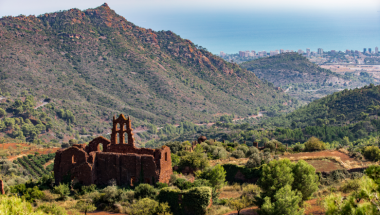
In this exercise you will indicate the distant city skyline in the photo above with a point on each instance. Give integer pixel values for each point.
(301, 51)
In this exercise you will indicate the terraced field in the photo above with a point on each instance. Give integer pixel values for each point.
(34, 164)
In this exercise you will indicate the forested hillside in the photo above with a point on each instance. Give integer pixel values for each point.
(349, 115)
(25, 118)
(303, 79)
(95, 63)
(345, 107)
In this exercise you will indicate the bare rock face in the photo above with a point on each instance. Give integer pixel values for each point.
(119, 161)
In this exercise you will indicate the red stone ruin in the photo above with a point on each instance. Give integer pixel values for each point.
(119, 161)
(2, 187)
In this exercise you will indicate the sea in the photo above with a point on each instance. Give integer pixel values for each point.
(234, 32)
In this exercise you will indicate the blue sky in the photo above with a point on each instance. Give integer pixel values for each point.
(125, 7)
(230, 26)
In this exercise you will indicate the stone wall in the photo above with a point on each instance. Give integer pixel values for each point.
(2, 187)
(119, 161)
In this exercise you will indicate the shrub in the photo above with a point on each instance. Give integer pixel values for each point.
(359, 202)
(305, 179)
(175, 160)
(63, 190)
(349, 186)
(238, 204)
(267, 157)
(51, 208)
(84, 206)
(15, 205)
(250, 191)
(255, 160)
(251, 151)
(314, 144)
(32, 194)
(145, 191)
(219, 153)
(272, 144)
(2, 112)
(298, 148)
(372, 153)
(275, 175)
(201, 183)
(29, 194)
(238, 154)
(111, 195)
(243, 148)
(170, 195)
(286, 202)
(88, 189)
(373, 172)
(194, 201)
(215, 175)
(160, 185)
(280, 173)
(183, 184)
(144, 206)
(194, 160)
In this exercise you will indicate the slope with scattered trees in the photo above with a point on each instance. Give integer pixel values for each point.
(95, 63)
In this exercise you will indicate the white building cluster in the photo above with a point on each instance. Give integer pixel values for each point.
(308, 53)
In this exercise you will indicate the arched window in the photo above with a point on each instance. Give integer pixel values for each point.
(166, 156)
(133, 181)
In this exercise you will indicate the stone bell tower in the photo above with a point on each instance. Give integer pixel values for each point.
(121, 125)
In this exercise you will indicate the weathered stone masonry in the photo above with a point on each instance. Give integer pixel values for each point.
(118, 161)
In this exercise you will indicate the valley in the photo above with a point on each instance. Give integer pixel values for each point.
(100, 115)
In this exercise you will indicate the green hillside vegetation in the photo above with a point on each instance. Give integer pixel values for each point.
(197, 193)
(95, 64)
(47, 125)
(303, 79)
(350, 113)
(341, 108)
(349, 117)
(296, 183)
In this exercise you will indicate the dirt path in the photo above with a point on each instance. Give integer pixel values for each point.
(102, 213)
(246, 211)
(41, 105)
(18, 156)
(314, 209)
(260, 114)
(48, 163)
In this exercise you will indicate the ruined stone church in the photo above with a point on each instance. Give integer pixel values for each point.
(119, 161)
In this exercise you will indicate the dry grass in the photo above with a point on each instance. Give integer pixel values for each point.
(231, 191)
(236, 190)
(218, 209)
(15, 150)
(340, 157)
(231, 160)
